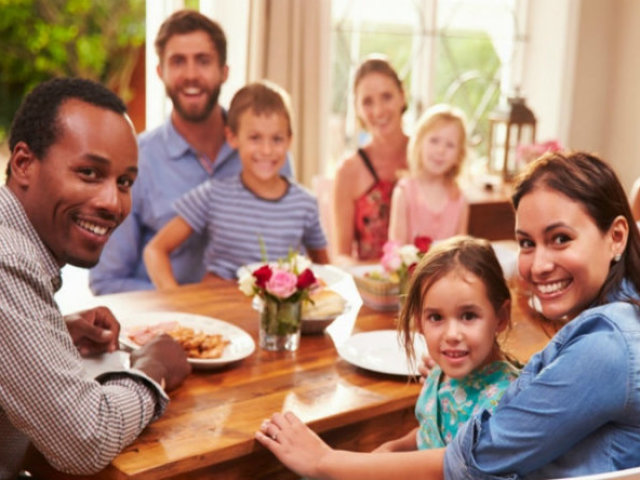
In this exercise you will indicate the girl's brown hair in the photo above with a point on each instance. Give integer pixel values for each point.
(463, 252)
(592, 183)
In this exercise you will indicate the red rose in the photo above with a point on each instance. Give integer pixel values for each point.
(411, 268)
(306, 279)
(263, 274)
(423, 243)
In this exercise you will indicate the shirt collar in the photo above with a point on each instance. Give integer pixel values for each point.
(18, 219)
(178, 147)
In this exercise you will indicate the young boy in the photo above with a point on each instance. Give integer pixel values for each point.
(257, 206)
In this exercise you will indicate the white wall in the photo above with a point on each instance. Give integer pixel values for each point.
(582, 72)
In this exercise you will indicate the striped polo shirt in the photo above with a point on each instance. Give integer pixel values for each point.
(235, 219)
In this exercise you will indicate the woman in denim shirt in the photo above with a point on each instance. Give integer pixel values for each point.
(575, 409)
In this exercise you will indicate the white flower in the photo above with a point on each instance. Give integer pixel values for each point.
(301, 262)
(246, 282)
(409, 254)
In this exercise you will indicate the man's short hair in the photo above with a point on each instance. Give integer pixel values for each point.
(37, 124)
(188, 21)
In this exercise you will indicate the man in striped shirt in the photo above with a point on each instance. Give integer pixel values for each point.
(73, 161)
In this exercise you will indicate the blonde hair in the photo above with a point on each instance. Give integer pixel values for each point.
(434, 117)
(262, 97)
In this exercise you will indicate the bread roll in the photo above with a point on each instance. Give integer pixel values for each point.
(326, 304)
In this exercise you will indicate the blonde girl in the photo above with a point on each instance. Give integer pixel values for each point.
(429, 202)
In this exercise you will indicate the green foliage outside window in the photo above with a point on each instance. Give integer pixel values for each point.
(42, 39)
(466, 66)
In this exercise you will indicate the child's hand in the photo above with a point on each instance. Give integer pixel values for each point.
(295, 444)
(426, 366)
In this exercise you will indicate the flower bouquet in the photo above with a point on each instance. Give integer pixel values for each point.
(382, 288)
(400, 260)
(282, 287)
(526, 153)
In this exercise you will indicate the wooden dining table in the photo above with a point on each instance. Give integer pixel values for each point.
(208, 428)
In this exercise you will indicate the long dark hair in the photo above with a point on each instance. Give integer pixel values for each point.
(590, 181)
(460, 252)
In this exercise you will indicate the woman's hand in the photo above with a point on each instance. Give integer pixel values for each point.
(295, 444)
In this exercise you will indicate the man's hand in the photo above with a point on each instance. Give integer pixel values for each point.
(93, 331)
(164, 360)
(425, 366)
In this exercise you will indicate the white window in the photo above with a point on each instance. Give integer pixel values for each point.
(467, 53)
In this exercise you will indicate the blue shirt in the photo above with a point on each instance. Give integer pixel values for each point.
(167, 168)
(235, 220)
(574, 410)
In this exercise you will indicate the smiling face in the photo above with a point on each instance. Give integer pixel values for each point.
(79, 192)
(563, 256)
(379, 104)
(191, 72)
(440, 150)
(460, 330)
(262, 142)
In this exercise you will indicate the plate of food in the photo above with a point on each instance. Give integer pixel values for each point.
(381, 351)
(209, 342)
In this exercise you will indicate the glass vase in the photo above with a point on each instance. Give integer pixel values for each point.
(280, 324)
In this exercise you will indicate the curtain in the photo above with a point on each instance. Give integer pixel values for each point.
(289, 45)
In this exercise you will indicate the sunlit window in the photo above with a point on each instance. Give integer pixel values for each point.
(464, 52)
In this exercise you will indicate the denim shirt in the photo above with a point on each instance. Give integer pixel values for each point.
(574, 410)
(168, 167)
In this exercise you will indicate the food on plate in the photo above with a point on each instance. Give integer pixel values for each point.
(197, 344)
(324, 303)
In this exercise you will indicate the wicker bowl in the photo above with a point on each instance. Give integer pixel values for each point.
(376, 292)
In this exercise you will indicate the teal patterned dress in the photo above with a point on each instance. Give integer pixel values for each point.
(443, 406)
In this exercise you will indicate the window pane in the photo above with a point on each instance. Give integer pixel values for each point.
(462, 52)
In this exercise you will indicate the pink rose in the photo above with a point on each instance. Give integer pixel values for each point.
(390, 246)
(282, 284)
(391, 260)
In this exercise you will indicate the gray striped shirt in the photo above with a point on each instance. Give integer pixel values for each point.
(77, 423)
(234, 219)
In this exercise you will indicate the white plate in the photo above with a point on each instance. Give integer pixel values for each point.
(380, 351)
(330, 274)
(241, 346)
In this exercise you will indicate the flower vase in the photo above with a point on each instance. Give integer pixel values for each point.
(280, 323)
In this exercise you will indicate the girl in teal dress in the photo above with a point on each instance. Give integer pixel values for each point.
(458, 299)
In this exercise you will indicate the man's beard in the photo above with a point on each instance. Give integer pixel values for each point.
(197, 116)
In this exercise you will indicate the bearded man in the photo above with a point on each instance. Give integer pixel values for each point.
(186, 150)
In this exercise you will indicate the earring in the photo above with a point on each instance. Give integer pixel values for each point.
(617, 257)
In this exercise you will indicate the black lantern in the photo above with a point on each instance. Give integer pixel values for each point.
(509, 128)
